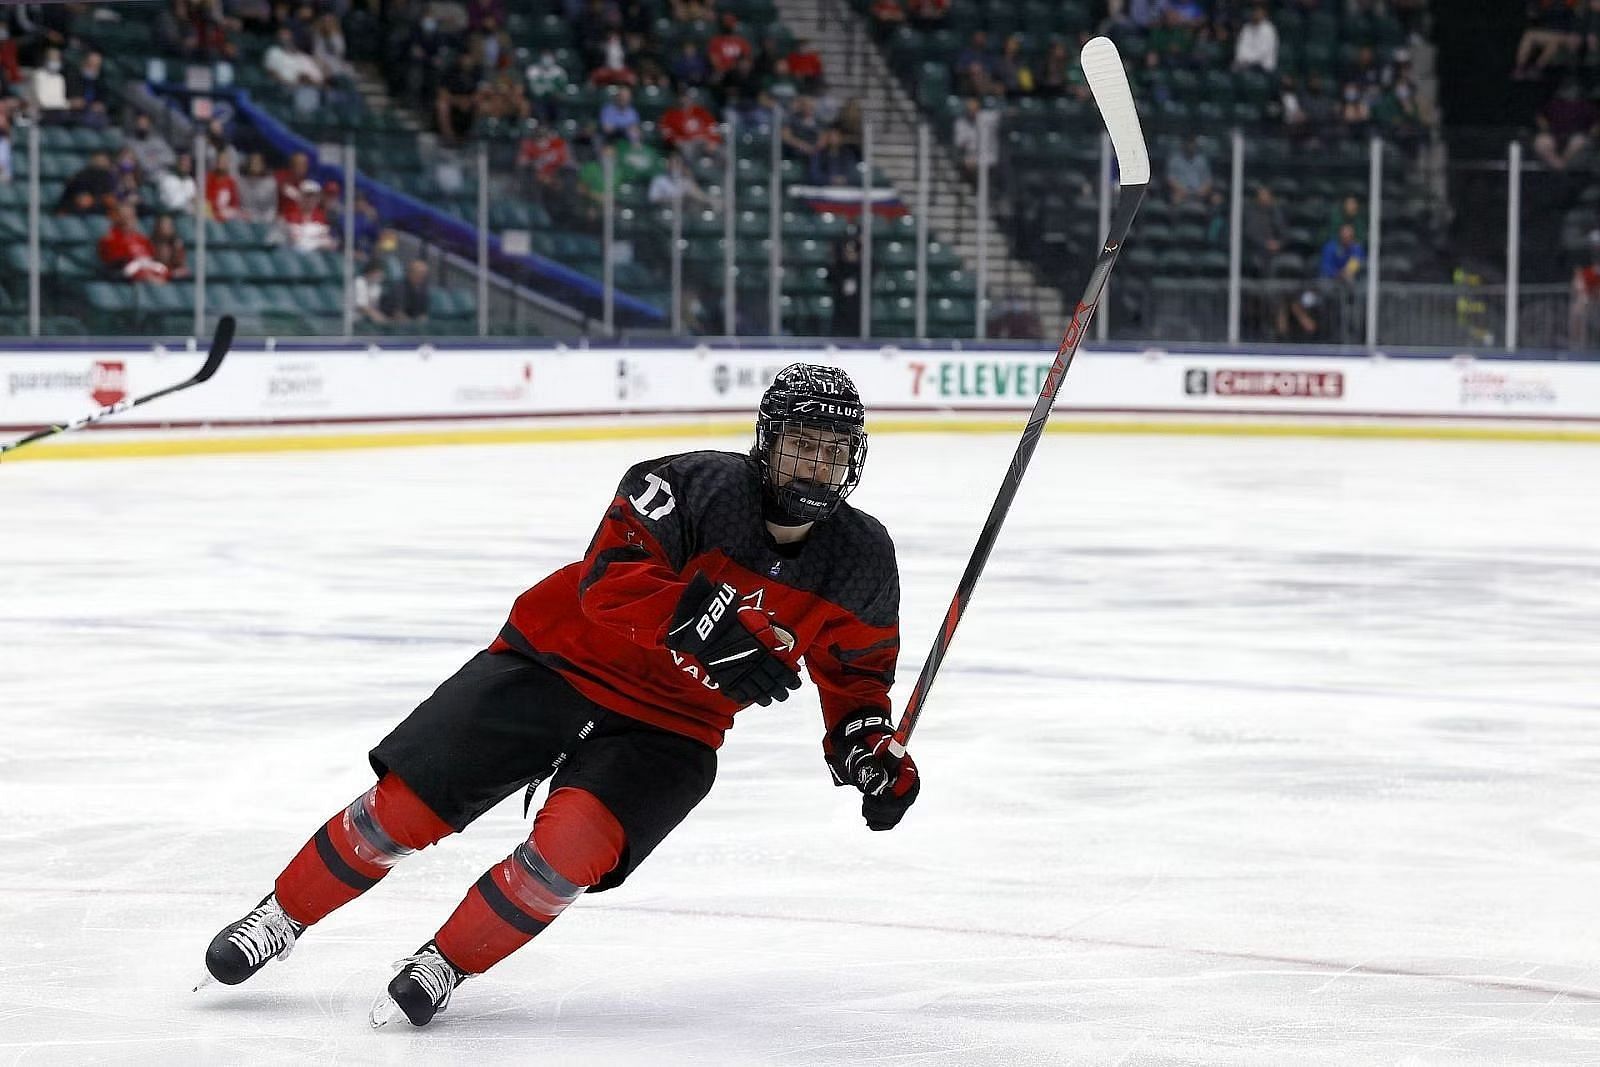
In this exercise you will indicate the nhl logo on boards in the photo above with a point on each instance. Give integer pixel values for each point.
(108, 382)
(1196, 382)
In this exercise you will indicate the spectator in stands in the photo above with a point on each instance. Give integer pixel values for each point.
(619, 120)
(501, 97)
(222, 189)
(1355, 114)
(974, 67)
(928, 14)
(365, 227)
(409, 301)
(1347, 212)
(1552, 35)
(544, 153)
(48, 88)
(742, 83)
(1585, 297)
(152, 152)
(676, 182)
(126, 176)
(127, 253)
(1263, 231)
(833, 164)
(887, 15)
(1173, 38)
(805, 66)
(1566, 124)
(592, 183)
(974, 136)
(258, 190)
(5, 148)
(844, 277)
(637, 159)
(419, 76)
(87, 93)
(91, 191)
(367, 293)
(613, 67)
(690, 128)
(1011, 70)
(727, 48)
(205, 30)
(801, 134)
(168, 249)
(289, 65)
(689, 67)
(291, 178)
(456, 104)
(1257, 45)
(1343, 257)
(1188, 173)
(546, 80)
(1299, 318)
(1055, 74)
(1296, 123)
(305, 222)
(176, 188)
(1322, 110)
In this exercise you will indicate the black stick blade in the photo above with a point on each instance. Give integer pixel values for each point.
(219, 348)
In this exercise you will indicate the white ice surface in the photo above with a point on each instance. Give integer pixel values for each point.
(1248, 751)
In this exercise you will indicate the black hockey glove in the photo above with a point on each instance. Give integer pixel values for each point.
(858, 754)
(736, 645)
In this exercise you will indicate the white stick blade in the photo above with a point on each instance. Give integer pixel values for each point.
(1109, 83)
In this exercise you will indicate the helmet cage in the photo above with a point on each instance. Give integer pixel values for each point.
(810, 398)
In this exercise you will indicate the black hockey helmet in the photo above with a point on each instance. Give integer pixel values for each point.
(808, 396)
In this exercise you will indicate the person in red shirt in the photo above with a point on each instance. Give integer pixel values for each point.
(690, 128)
(128, 252)
(727, 48)
(712, 575)
(805, 66)
(887, 14)
(544, 152)
(222, 191)
(291, 178)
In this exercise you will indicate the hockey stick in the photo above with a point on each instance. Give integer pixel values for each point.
(219, 348)
(1102, 66)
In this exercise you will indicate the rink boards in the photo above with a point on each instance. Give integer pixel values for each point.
(360, 395)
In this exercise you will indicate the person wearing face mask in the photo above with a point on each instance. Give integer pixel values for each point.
(151, 151)
(48, 88)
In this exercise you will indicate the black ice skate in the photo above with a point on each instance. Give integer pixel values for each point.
(242, 948)
(420, 990)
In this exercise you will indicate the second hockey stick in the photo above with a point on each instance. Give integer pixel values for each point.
(1102, 66)
(220, 344)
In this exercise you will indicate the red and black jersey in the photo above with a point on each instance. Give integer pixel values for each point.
(601, 622)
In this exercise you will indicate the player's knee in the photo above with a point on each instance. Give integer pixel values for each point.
(389, 822)
(577, 836)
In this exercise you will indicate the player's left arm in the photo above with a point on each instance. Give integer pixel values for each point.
(852, 663)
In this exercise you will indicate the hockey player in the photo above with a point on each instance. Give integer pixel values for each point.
(711, 576)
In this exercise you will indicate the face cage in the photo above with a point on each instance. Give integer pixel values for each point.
(809, 501)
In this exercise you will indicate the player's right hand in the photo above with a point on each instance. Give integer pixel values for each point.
(736, 645)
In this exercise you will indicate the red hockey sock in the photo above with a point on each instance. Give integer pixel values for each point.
(354, 850)
(575, 841)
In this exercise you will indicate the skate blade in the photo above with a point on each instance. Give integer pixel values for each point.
(384, 1011)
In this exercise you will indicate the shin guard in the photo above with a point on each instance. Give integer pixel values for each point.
(575, 841)
(354, 850)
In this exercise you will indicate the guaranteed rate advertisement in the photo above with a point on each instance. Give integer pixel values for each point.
(312, 385)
